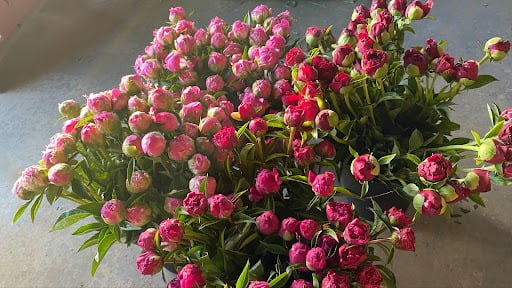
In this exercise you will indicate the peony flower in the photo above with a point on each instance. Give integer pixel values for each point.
(313, 36)
(167, 120)
(199, 164)
(417, 10)
(69, 109)
(307, 73)
(478, 180)
(108, 123)
(136, 104)
(326, 120)
(21, 192)
(258, 36)
(404, 239)
(268, 181)
(322, 184)
(397, 7)
(176, 14)
(132, 146)
(289, 227)
(113, 212)
(454, 191)
(316, 259)
(297, 254)
(497, 48)
(267, 58)
(294, 56)
(351, 256)
(365, 168)
(435, 168)
(267, 223)
(356, 232)
(308, 228)
(340, 81)
(260, 13)
(445, 66)
(195, 203)
(339, 213)
(170, 230)
(175, 61)
(98, 102)
(60, 174)
(52, 155)
(220, 206)
(214, 83)
(146, 239)
(369, 277)
(181, 148)
(429, 202)
(139, 122)
(226, 138)
(343, 55)
(397, 217)
(209, 126)
(375, 63)
(149, 263)
(258, 127)
(325, 149)
(203, 184)
(431, 50)
(505, 134)
(139, 214)
(191, 276)
(294, 116)
(491, 151)
(466, 72)
(91, 135)
(301, 283)
(415, 63)
(153, 144)
(258, 284)
(303, 154)
(336, 280)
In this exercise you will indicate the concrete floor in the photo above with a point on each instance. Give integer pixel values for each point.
(65, 49)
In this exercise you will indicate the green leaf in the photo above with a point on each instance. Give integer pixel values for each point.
(280, 280)
(103, 247)
(257, 271)
(69, 218)
(93, 240)
(416, 140)
(52, 193)
(276, 155)
(79, 189)
(364, 189)
(93, 208)
(274, 248)
(346, 192)
(476, 136)
(87, 228)
(386, 159)
(353, 152)
(20, 211)
(411, 189)
(413, 158)
(475, 197)
(495, 130)
(389, 97)
(482, 80)
(243, 280)
(35, 207)
(388, 275)
(241, 130)
(417, 202)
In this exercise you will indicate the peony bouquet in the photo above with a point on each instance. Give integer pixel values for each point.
(221, 157)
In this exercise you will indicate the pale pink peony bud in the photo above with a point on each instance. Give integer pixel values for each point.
(190, 129)
(209, 126)
(165, 35)
(91, 135)
(258, 36)
(53, 155)
(199, 164)
(202, 37)
(282, 72)
(149, 263)
(282, 28)
(153, 144)
(262, 88)
(185, 44)
(98, 102)
(139, 122)
(139, 182)
(217, 62)
(240, 30)
(214, 83)
(60, 174)
(185, 26)
(131, 84)
(277, 42)
(187, 77)
(69, 126)
(137, 104)
(218, 40)
(176, 14)
(160, 99)
(139, 214)
(149, 69)
(217, 112)
(267, 223)
(132, 146)
(69, 109)
(243, 68)
(113, 212)
(220, 206)
(21, 192)
(34, 178)
(108, 123)
(181, 148)
(146, 239)
(267, 58)
(204, 146)
(260, 13)
(167, 120)
(192, 112)
(171, 204)
(175, 62)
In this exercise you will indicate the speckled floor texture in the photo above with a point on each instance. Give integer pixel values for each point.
(64, 49)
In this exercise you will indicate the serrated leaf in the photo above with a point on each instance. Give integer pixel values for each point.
(20, 211)
(35, 207)
(415, 140)
(386, 159)
(69, 218)
(243, 279)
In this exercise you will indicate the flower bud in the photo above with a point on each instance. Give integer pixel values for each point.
(149, 263)
(398, 218)
(301, 283)
(356, 232)
(281, 72)
(181, 148)
(108, 123)
(258, 127)
(347, 36)
(308, 228)
(369, 276)
(69, 109)
(98, 102)
(204, 146)
(214, 83)
(136, 104)
(131, 84)
(404, 239)
(91, 135)
(170, 230)
(316, 259)
(294, 116)
(192, 112)
(119, 99)
(375, 63)
(53, 155)
(113, 212)
(176, 14)
(199, 164)
(343, 55)
(175, 62)
(60, 174)
(339, 213)
(325, 149)
(313, 36)
(260, 13)
(226, 138)
(139, 122)
(267, 223)
(258, 36)
(240, 30)
(146, 239)
(326, 120)
(209, 126)
(139, 182)
(167, 120)
(21, 192)
(132, 146)
(333, 279)
(365, 168)
(417, 10)
(191, 276)
(429, 202)
(69, 126)
(478, 180)
(491, 151)
(220, 206)
(187, 77)
(297, 254)
(351, 256)
(218, 40)
(466, 72)
(195, 203)
(322, 184)
(397, 7)
(185, 44)
(153, 144)
(497, 48)
(435, 168)
(63, 142)
(139, 214)
(268, 181)
(267, 58)
(415, 63)
(262, 88)
(289, 227)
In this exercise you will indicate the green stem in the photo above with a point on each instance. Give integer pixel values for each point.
(484, 59)
(369, 102)
(383, 92)
(431, 89)
(420, 87)
(260, 150)
(349, 106)
(290, 140)
(335, 103)
(78, 201)
(454, 147)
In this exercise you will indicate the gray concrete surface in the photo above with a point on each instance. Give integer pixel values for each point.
(65, 49)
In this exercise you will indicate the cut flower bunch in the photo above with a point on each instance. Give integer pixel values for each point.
(216, 156)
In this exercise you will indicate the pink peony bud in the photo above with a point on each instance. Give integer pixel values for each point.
(132, 146)
(195, 203)
(153, 144)
(185, 26)
(220, 206)
(365, 168)
(218, 40)
(139, 214)
(340, 81)
(240, 30)
(432, 50)
(397, 7)
(146, 239)
(149, 263)
(137, 104)
(282, 73)
(53, 155)
(435, 168)
(326, 120)
(294, 116)
(478, 180)
(205, 146)
(375, 63)
(404, 239)
(398, 218)
(294, 57)
(429, 202)
(347, 36)
(325, 149)
(301, 283)
(417, 10)
(187, 77)
(131, 84)
(69, 109)
(262, 88)
(60, 174)
(165, 35)
(297, 254)
(313, 36)
(199, 164)
(108, 123)
(226, 138)
(322, 184)
(258, 127)
(454, 191)
(176, 14)
(191, 276)
(113, 212)
(160, 99)
(303, 154)
(139, 122)
(209, 126)
(260, 13)
(21, 192)
(415, 63)
(308, 228)
(316, 259)
(217, 25)
(445, 65)
(267, 58)
(306, 73)
(149, 68)
(268, 181)
(34, 178)
(69, 126)
(170, 230)
(492, 151)
(369, 276)
(351, 256)
(343, 55)
(507, 169)
(202, 37)
(243, 68)
(217, 62)
(338, 280)
(171, 204)
(192, 112)
(63, 142)
(185, 44)
(258, 284)
(339, 213)
(190, 94)
(497, 48)
(175, 62)
(98, 102)
(214, 83)
(167, 120)
(356, 232)
(289, 228)
(258, 36)
(91, 135)
(267, 223)
(203, 184)
(139, 182)
(505, 134)
(466, 72)
(181, 148)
